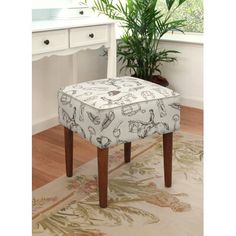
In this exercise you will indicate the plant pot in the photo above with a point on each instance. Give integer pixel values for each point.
(158, 79)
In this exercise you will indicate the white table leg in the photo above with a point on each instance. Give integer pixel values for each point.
(112, 64)
(75, 68)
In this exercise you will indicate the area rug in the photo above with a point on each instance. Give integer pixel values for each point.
(139, 204)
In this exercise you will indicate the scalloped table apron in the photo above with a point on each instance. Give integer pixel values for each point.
(113, 111)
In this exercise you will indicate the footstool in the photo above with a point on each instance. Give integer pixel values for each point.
(113, 111)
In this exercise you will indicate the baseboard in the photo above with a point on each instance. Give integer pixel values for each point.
(42, 125)
(192, 102)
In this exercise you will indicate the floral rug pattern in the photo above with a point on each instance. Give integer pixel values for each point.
(139, 204)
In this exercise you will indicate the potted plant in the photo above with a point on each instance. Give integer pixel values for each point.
(144, 25)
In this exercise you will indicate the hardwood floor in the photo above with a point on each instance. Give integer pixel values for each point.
(191, 120)
(48, 148)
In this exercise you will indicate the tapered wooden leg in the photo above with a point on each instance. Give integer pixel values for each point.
(102, 176)
(127, 152)
(68, 136)
(167, 150)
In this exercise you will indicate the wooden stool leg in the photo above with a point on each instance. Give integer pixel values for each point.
(68, 136)
(167, 151)
(102, 176)
(127, 152)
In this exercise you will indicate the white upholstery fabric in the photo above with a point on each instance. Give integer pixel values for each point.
(118, 110)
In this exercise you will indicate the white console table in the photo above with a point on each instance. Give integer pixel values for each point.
(66, 37)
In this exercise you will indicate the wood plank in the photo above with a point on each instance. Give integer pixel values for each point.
(191, 120)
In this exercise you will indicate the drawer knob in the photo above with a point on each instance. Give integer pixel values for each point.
(46, 42)
(91, 35)
(81, 12)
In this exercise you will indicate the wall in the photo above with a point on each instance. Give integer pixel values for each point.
(40, 4)
(186, 75)
(49, 74)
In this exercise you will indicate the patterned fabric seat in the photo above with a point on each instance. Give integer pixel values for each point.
(119, 110)
(112, 111)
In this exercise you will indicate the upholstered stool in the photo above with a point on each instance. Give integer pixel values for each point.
(114, 111)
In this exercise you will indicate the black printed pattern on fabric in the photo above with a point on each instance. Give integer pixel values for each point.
(144, 129)
(71, 124)
(118, 110)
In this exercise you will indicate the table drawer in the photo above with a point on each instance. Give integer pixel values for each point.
(49, 41)
(88, 35)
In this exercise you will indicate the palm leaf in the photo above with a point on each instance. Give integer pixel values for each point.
(181, 2)
(144, 26)
(169, 3)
